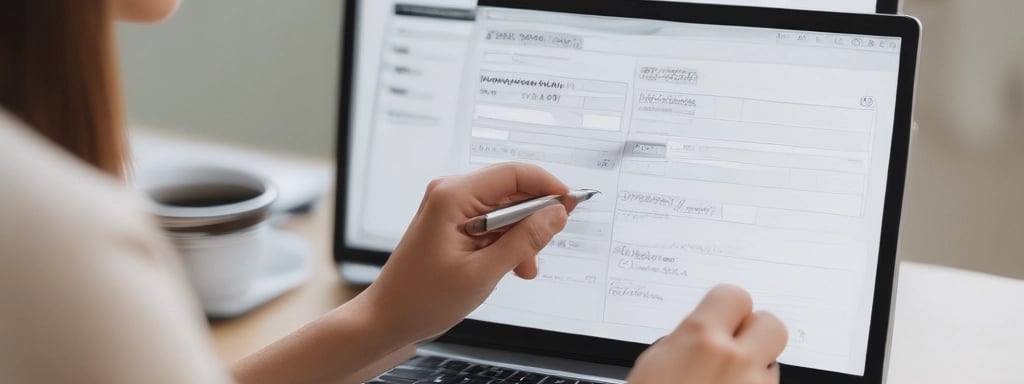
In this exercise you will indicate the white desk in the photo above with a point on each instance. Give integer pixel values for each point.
(957, 327)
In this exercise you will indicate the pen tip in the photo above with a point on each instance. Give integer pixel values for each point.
(589, 193)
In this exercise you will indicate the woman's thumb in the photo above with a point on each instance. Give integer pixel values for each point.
(527, 238)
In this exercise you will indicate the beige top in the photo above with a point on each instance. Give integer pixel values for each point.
(89, 290)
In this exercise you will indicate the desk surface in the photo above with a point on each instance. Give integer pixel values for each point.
(951, 326)
(323, 291)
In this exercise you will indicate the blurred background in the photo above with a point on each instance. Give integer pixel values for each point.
(255, 72)
(263, 73)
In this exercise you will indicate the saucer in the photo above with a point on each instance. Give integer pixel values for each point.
(285, 268)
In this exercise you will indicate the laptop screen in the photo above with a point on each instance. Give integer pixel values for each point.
(409, 57)
(725, 154)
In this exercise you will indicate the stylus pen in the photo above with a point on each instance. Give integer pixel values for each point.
(510, 215)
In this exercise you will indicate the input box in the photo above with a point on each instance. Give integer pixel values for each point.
(552, 98)
(604, 103)
(650, 168)
(812, 116)
(548, 98)
(540, 61)
(806, 221)
(731, 152)
(770, 177)
(490, 133)
(670, 106)
(677, 206)
(762, 197)
(553, 118)
(579, 143)
(487, 151)
(760, 133)
(539, 82)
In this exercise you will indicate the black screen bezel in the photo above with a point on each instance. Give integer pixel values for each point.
(474, 332)
(891, 7)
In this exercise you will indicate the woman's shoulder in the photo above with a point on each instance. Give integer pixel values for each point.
(53, 201)
(89, 275)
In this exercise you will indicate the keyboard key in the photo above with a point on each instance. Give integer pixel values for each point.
(412, 373)
(498, 373)
(454, 366)
(392, 379)
(476, 368)
(444, 378)
(430, 362)
(532, 378)
(523, 377)
(437, 370)
(463, 379)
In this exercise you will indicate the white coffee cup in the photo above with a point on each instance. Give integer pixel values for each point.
(217, 219)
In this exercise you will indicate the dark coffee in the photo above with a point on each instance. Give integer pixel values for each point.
(203, 195)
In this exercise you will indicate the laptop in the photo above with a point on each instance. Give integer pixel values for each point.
(756, 146)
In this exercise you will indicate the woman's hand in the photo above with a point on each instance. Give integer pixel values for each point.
(437, 274)
(721, 342)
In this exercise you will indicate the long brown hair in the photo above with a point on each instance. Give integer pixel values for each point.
(58, 73)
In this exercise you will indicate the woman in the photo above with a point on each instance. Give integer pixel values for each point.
(91, 292)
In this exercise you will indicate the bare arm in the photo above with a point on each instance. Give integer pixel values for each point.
(345, 345)
(436, 276)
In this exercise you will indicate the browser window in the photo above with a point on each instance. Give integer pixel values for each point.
(738, 155)
(410, 56)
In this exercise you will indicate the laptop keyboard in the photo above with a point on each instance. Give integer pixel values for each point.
(440, 370)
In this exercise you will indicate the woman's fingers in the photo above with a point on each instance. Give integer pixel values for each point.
(725, 308)
(528, 269)
(494, 185)
(722, 341)
(523, 241)
(774, 374)
(764, 334)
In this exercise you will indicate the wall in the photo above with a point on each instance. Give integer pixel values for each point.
(966, 180)
(256, 72)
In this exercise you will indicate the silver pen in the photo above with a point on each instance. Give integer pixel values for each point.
(510, 215)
